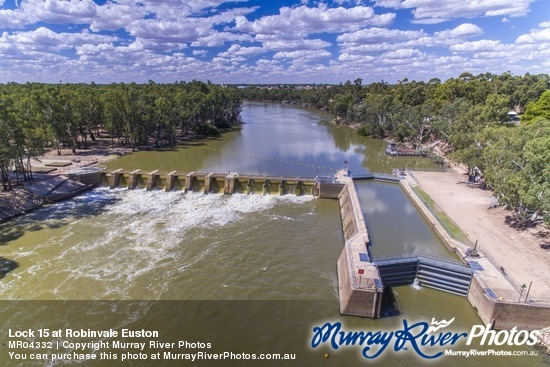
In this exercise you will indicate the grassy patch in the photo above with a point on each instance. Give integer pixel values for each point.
(447, 223)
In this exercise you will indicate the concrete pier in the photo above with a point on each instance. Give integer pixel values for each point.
(170, 181)
(152, 180)
(360, 286)
(115, 178)
(133, 179)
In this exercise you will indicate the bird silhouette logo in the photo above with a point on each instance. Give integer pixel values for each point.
(436, 325)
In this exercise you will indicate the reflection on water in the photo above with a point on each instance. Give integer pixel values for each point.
(276, 139)
(395, 227)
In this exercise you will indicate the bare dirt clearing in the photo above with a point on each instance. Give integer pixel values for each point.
(518, 252)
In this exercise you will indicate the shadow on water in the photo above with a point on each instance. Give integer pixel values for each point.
(58, 215)
(7, 265)
(390, 307)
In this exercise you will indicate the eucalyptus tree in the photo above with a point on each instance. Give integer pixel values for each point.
(538, 109)
(376, 115)
(87, 112)
(8, 136)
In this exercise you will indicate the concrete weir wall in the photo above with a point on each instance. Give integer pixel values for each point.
(359, 284)
(216, 183)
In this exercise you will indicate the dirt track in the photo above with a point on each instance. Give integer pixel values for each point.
(518, 252)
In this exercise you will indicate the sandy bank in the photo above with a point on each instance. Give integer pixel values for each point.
(518, 252)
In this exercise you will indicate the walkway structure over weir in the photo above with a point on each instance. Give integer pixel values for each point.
(210, 182)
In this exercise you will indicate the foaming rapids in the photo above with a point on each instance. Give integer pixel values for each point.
(136, 244)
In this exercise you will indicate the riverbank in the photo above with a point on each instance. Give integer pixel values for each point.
(52, 165)
(21, 200)
(16, 202)
(516, 253)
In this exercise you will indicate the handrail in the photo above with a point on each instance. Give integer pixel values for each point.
(405, 256)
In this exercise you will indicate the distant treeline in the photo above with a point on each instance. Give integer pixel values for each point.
(474, 116)
(36, 116)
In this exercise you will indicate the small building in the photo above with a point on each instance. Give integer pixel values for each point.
(513, 117)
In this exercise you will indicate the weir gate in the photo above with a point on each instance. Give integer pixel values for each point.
(428, 271)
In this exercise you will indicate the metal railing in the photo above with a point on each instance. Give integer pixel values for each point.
(416, 255)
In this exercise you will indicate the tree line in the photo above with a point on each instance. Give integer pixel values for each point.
(35, 117)
(470, 115)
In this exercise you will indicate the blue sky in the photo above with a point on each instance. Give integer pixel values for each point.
(251, 41)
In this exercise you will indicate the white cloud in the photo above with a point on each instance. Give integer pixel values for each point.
(290, 45)
(200, 52)
(462, 31)
(174, 34)
(477, 46)
(302, 54)
(438, 11)
(360, 58)
(46, 40)
(535, 36)
(376, 40)
(113, 16)
(378, 35)
(401, 54)
(238, 50)
(302, 21)
(448, 60)
(215, 39)
(49, 11)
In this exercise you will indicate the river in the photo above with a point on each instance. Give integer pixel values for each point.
(246, 273)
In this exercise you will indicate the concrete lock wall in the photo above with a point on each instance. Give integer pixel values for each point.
(359, 284)
(349, 222)
(506, 315)
(354, 301)
(330, 190)
(524, 316)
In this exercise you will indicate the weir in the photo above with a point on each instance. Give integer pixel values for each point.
(211, 182)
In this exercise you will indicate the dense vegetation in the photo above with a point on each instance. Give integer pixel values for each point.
(37, 116)
(468, 115)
